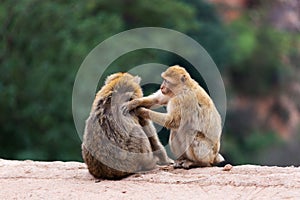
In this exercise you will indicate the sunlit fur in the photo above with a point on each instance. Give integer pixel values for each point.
(191, 115)
(116, 145)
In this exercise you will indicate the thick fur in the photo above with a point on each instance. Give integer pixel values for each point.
(191, 115)
(116, 145)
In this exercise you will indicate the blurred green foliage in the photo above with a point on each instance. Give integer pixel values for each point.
(246, 150)
(43, 44)
(264, 64)
(258, 49)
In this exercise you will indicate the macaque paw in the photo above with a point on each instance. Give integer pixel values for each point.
(178, 164)
(129, 106)
(187, 164)
(124, 108)
(142, 112)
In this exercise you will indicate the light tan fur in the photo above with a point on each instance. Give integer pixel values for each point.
(116, 145)
(191, 115)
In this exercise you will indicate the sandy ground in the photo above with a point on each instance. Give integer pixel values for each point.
(71, 180)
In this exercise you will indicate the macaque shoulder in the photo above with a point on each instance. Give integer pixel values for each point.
(202, 97)
(161, 98)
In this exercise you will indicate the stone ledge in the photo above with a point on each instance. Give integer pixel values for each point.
(61, 180)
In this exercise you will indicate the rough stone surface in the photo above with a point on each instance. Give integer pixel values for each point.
(71, 180)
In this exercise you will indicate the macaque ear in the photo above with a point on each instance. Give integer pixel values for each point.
(137, 79)
(111, 78)
(183, 78)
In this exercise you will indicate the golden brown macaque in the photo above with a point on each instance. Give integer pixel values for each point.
(116, 145)
(191, 115)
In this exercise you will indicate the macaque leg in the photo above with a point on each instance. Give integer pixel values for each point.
(163, 119)
(157, 148)
(159, 151)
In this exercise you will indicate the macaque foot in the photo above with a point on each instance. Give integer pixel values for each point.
(186, 164)
(169, 161)
(178, 164)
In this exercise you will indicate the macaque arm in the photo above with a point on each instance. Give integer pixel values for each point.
(154, 99)
(164, 119)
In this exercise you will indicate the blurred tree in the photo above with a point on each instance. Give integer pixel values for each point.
(262, 72)
(247, 149)
(252, 55)
(43, 44)
(213, 35)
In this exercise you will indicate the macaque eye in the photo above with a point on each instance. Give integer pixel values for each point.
(166, 81)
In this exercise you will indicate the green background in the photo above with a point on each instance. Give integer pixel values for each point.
(43, 44)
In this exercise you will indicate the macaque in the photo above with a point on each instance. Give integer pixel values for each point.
(116, 145)
(191, 116)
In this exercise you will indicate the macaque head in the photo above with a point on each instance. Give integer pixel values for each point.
(116, 77)
(175, 79)
(123, 83)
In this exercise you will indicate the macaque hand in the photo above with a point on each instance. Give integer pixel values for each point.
(143, 113)
(128, 106)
